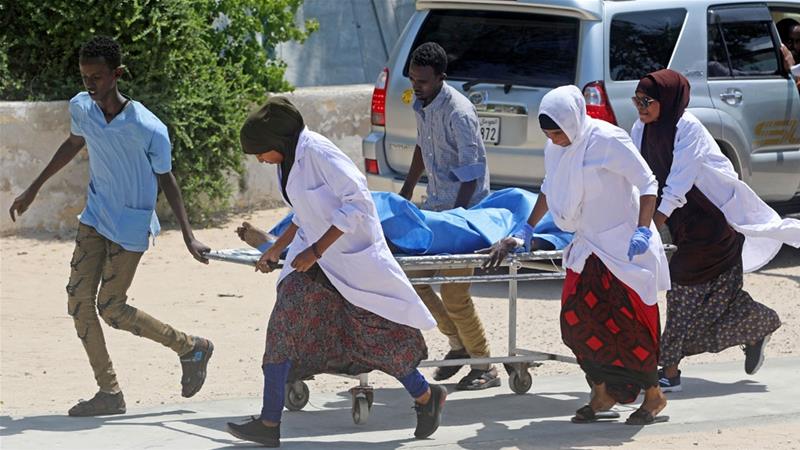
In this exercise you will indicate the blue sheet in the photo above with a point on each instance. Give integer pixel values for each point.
(412, 231)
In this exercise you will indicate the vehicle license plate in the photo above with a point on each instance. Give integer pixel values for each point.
(490, 129)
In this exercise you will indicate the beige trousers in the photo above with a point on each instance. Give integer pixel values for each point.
(99, 261)
(455, 313)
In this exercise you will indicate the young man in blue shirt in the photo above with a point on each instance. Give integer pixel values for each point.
(450, 150)
(129, 156)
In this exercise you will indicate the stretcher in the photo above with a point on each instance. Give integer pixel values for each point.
(545, 265)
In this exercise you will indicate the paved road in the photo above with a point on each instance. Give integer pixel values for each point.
(715, 396)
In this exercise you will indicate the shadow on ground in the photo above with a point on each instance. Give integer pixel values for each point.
(485, 421)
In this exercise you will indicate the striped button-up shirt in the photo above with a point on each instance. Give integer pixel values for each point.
(448, 133)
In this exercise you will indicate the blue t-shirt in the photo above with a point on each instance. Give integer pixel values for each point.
(124, 158)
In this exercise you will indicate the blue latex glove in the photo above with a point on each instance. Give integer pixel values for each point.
(526, 234)
(640, 241)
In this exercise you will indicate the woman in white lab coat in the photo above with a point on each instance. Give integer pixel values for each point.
(719, 224)
(343, 303)
(599, 187)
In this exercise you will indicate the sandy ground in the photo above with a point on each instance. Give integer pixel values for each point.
(43, 368)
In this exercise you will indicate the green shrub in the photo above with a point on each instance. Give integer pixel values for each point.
(199, 78)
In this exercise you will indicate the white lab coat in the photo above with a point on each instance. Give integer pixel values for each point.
(698, 161)
(603, 188)
(327, 189)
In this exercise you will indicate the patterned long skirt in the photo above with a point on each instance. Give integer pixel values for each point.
(612, 333)
(713, 316)
(319, 331)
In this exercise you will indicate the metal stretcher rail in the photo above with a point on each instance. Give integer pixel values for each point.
(518, 360)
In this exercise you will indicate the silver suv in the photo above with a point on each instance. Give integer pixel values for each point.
(505, 55)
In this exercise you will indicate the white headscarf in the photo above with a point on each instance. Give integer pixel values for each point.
(564, 165)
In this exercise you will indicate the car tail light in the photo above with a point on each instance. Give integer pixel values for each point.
(371, 166)
(379, 98)
(597, 104)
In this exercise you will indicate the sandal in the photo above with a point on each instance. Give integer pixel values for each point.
(446, 372)
(588, 415)
(478, 379)
(644, 417)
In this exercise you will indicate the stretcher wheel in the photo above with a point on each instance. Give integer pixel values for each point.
(520, 380)
(370, 398)
(360, 410)
(296, 395)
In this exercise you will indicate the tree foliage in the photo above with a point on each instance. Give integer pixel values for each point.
(199, 65)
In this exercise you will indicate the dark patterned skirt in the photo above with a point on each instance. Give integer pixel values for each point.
(319, 331)
(612, 333)
(713, 316)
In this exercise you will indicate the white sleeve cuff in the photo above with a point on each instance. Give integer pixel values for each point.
(667, 207)
(347, 218)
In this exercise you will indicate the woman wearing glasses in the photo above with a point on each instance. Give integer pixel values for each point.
(719, 224)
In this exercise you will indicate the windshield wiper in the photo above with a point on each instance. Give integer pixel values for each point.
(472, 83)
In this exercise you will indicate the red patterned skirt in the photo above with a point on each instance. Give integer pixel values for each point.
(612, 333)
(319, 331)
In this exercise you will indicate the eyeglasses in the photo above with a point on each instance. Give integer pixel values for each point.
(642, 102)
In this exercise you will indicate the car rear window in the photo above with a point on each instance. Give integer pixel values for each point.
(643, 42)
(504, 47)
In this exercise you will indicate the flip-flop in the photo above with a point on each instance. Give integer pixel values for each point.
(587, 415)
(644, 417)
(478, 379)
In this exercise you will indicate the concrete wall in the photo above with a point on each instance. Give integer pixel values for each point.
(352, 43)
(30, 132)
(29, 135)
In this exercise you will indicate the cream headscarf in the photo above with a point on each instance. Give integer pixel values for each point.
(564, 165)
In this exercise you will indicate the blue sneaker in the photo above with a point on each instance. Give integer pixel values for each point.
(194, 365)
(669, 384)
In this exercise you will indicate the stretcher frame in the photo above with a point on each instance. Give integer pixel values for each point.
(518, 360)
